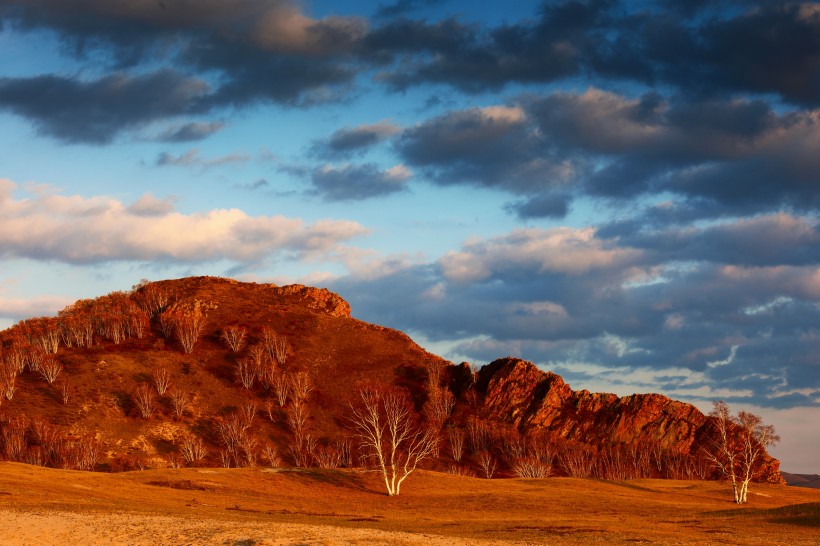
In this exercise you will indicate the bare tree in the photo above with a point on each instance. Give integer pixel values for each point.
(234, 337)
(487, 463)
(327, 456)
(65, 391)
(456, 440)
(145, 399)
(161, 378)
(239, 446)
(530, 467)
(166, 324)
(245, 373)
(281, 388)
(276, 345)
(478, 432)
(188, 322)
(180, 401)
(387, 429)
(739, 446)
(152, 298)
(300, 385)
(439, 405)
(577, 460)
(50, 369)
(8, 378)
(271, 455)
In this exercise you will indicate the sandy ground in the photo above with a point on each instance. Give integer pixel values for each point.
(64, 528)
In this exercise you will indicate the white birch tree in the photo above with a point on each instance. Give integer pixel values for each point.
(387, 429)
(739, 446)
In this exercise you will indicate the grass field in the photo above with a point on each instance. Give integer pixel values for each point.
(312, 506)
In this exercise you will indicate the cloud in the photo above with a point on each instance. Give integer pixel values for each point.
(18, 309)
(356, 139)
(714, 157)
(403, 7)
(148, 205)
(760, 48)
(191, 158)
(358, 182)
(191, 131)
(259, 184)
(570, 297)
(255, 51)
(96, 111)
(83, 230)
(559, 250)
(494, 146)
(777, 239)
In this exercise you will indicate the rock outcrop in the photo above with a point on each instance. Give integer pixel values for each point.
(517, 392)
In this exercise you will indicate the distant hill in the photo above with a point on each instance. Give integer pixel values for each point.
(802, 480)
(211, 371)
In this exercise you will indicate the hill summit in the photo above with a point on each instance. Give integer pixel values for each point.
(212, 371)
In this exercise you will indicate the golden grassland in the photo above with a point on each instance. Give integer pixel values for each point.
(313, 506)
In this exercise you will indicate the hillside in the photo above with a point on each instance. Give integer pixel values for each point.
(214, 372)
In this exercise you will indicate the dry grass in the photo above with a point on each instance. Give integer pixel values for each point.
(343, 506)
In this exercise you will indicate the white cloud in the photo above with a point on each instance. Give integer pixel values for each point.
(14, 309)
(559, 250)
(77, 229)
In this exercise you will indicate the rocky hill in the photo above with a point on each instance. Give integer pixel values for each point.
(517, 392)
(211, 371)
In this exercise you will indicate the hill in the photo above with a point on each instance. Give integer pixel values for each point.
(802, 480)
(213, 372)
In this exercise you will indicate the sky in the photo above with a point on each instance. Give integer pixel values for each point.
(623, 192)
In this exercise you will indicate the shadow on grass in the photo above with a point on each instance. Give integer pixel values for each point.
(805, 514)
(335, 478)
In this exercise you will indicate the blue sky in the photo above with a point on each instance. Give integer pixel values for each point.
(623, 192)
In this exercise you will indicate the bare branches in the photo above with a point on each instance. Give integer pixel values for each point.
(386, 427)
(192, 450)
(152, 298)
(161, 378)
(281, 388)
(187, 321)
(487, 463)
(456, 440)
(234, 337)
(181, 401)
(245, 373)
(145, 399)
(50, 369)
(740, 444)
(300, 385)
(276, 345)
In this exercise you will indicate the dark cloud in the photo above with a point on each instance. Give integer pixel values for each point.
(191, 158)
(260, 184)
(492, 147)
(273, 52)
(191, 131)
(355, 139)
(97, 111)
(541, 206)
(716, 50)
(357, 182)
(772, 48)
(259, 51)
(403, 7)
(472, 59)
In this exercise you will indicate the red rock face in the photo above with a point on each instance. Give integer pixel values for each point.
(517, 392)
(320, 299)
